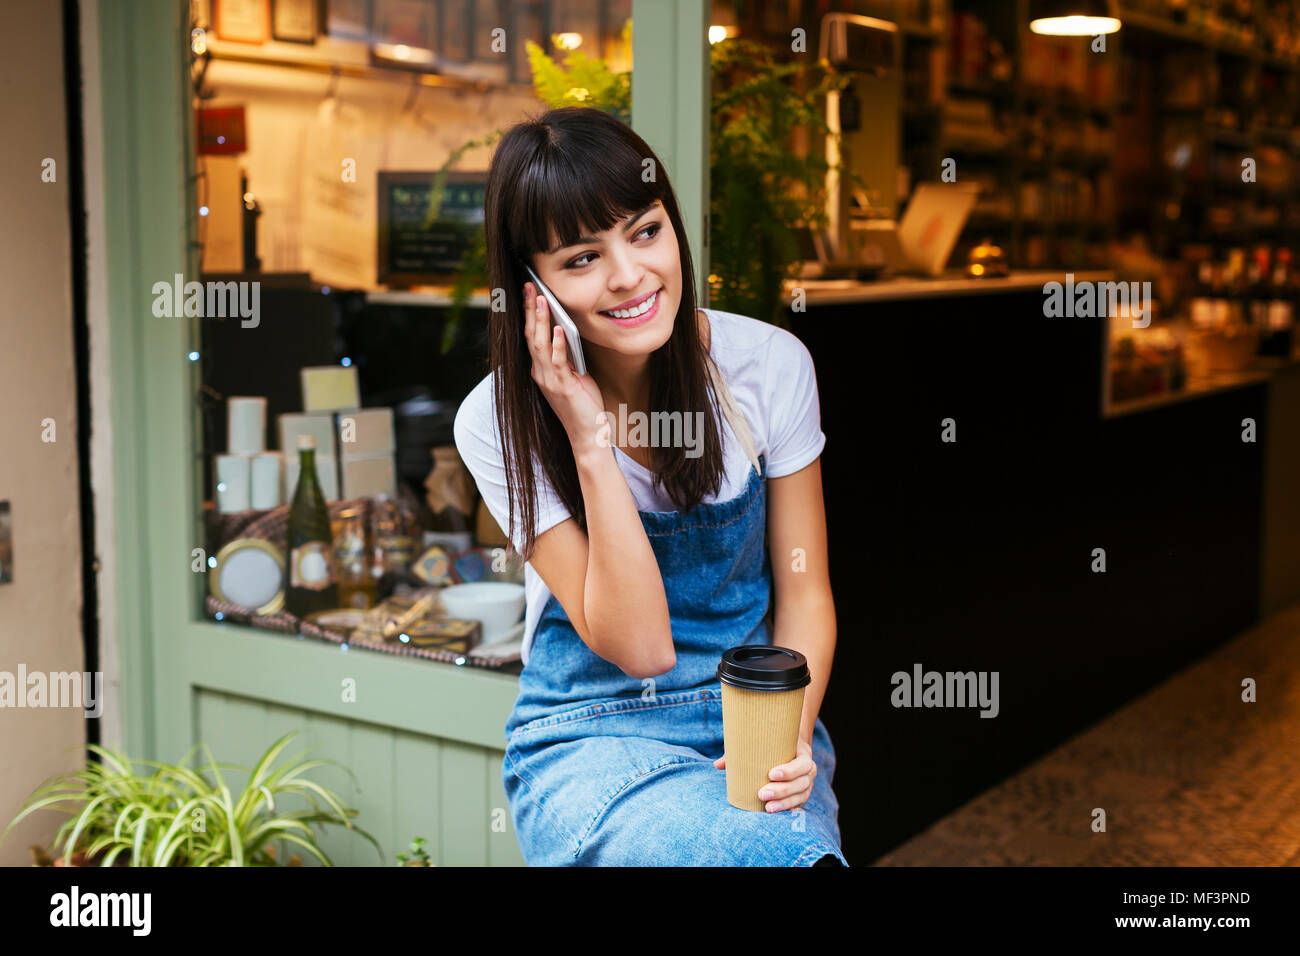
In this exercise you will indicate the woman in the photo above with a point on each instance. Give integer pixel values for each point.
(645, 562)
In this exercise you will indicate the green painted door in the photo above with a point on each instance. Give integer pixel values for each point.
(423, 741)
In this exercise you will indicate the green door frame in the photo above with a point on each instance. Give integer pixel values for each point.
(671, 92)
(168, 653)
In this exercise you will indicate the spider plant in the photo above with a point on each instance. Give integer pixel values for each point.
(178, 816)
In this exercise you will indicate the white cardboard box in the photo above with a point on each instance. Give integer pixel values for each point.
(328, 388)
(320, 427)
(368, 476)
(370, 431)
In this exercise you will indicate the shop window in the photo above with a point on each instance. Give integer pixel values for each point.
(334, 308)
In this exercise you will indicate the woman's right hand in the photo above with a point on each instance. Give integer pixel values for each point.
(575, 398)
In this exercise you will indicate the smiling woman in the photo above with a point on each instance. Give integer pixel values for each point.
(570, 196)
(641, 246)
(646, 560)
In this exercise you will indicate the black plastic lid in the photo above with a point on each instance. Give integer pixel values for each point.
(764, 667)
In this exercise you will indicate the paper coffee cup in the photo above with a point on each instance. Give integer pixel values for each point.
(762, 705)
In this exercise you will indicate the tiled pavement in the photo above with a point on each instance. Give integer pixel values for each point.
(1188, 774)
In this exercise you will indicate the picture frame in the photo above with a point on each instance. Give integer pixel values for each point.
(221, 130)
(404, 34)
(347, 19)
(583, 17)
(295, 21)
(527, 22)
(6, 545)
(454, 26)
(242, 21)
(486, 16)
(408, 254)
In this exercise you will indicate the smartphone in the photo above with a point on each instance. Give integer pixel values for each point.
(561, 318)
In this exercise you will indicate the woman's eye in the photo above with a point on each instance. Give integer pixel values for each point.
(578, 263)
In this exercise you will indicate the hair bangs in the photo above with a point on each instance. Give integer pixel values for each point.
(578, 190)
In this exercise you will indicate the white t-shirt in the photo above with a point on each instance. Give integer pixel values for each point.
(770, 374)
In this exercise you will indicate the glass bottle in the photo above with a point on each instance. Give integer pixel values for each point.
(1279, 331)
(1218, 297)
(356, 585)
(311, 579)
(392, 549)
(1202, 304)
(1256, 293)
(1235, 283)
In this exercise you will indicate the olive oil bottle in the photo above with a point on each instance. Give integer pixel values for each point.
(311, 578)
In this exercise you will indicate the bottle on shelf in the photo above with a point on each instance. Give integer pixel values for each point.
(393, 550)
(1257, 276)
(1278, 336)
(1218, 296)
(356, 585)
(1235, 287)
(311, 579)
(252, 210)
(1201, 309)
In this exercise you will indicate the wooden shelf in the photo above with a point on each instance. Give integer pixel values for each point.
(1012, 101)
(1183, 33)
(920, 31)
(1194, 388)
(426, 296)
(358, 71)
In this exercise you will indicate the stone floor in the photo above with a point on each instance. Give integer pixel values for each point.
(1188, 774)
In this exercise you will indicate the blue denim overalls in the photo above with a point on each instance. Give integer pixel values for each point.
(604, 769)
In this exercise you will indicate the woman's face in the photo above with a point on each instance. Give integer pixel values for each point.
(634, 262)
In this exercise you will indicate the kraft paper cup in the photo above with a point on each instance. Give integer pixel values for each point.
(762, 705)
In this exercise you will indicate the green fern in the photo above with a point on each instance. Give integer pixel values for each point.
(582, 81)
(759, 187)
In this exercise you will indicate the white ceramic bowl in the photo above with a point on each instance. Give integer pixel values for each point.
(497, 604)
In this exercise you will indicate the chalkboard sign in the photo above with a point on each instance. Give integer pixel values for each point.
(410, 253)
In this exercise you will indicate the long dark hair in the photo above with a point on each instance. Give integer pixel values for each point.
(579, 171)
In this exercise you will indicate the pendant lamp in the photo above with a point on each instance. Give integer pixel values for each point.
(1071, 18)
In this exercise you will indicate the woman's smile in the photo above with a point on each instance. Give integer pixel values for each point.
(639, 314)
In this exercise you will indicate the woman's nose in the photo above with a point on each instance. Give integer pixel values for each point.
(625, 273)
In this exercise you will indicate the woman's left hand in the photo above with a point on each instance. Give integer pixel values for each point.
(792, 782)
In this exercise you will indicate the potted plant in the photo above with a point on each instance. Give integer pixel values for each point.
(760, 188)
(417, 856)
(178, 816)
